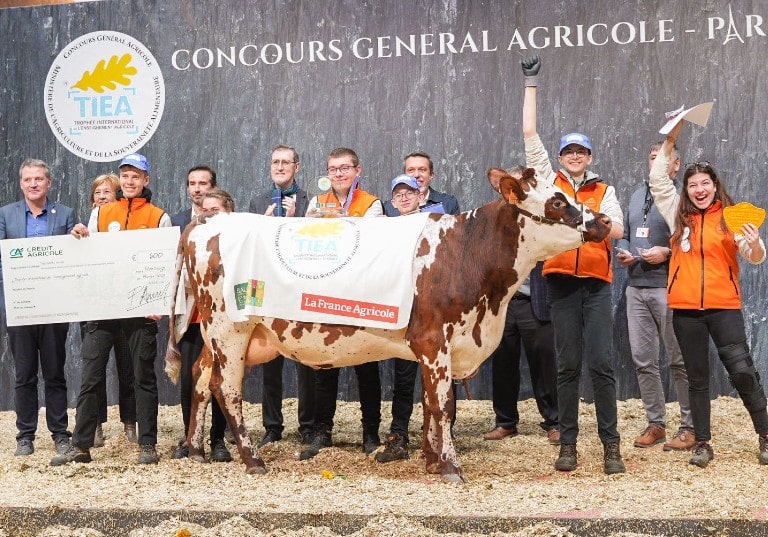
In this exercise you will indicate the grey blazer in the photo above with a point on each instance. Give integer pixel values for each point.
(13, 225)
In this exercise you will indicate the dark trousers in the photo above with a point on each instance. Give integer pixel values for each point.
(124, 367)
(369, 384)
(190, 347)
(100, 337)
(404, 381)
(693, 328)
(272, 400)
(523, 330)
(583, 324)
(39, 347)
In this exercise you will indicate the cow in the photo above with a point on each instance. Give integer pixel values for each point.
(466, 268)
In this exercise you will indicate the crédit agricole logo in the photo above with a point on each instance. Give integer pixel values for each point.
(104, 96)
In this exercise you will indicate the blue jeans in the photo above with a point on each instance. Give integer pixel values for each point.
(583, 324)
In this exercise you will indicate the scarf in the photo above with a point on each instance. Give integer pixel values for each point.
(279, 193)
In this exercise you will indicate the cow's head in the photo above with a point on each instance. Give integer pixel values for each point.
(560, 223)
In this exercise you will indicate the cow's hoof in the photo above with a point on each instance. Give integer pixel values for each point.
(454, 479)
(256, 470)
(433, 468)
(197, 457)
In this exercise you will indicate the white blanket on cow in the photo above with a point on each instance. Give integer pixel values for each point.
(355, 271)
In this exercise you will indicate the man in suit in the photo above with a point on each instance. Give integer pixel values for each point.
(38, 346)
(200, 179)
(284, 198)
(420, 166)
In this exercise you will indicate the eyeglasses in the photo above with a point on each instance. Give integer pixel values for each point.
(282, 163)
(407, 195)
(685, 240)
(344, 168)
(577, 152)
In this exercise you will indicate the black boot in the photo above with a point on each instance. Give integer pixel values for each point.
(395, 449)
(321, 440)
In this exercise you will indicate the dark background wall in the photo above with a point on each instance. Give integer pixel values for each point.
(463, 108)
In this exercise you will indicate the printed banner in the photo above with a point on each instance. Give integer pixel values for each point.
(356, 271)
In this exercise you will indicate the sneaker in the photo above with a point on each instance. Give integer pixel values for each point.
(371, 442)
(652, 435)
(683, 440)
(24, 447)
(181, 451)
(147, 454)
(763, 443)
(395, 449)
(321, 440)
(219, 451)
(73, 454)
(702, 454)
(62, 444)
(269, 437)
(98, 436)
(566, 461)
(130, 433)
(553, 436)
(612, 462)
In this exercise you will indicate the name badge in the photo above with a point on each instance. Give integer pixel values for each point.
(643, 233)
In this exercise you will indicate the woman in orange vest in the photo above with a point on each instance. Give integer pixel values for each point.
(704, 292)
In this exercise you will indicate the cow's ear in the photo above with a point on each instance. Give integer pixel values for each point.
(509, 187)
(529, 177)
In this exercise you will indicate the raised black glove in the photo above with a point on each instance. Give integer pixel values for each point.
(531, 68)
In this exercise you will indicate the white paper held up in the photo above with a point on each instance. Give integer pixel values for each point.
(698, 114)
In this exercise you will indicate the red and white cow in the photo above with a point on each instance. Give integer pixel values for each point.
(466, 269)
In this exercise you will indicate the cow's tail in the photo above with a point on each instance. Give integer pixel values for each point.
(172, 353)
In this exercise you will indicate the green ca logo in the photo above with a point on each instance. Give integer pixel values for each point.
(16, 253)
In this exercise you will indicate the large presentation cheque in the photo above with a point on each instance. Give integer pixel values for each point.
(105, 276)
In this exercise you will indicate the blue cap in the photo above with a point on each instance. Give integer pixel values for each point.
(136, 160)
(405, 180)
(575, 138)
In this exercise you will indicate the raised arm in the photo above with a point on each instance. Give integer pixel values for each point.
(663, 190)
(531, 68)
(536, 156)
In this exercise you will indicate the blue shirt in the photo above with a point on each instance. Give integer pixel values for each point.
(37, 226)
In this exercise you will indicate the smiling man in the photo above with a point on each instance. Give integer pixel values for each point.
(37, 347)
(420, 166)
(284, 199)
(132, 210)
(579, 288)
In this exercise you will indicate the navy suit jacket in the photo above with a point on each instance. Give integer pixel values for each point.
(182, 219)
(13, 225)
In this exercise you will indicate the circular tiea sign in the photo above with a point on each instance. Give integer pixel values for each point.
(104, 96)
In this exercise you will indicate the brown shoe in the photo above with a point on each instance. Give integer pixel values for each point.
(652, 435)
(553, 436)
(500, 433)
(98, 436)
(683, 440)
(130, 432)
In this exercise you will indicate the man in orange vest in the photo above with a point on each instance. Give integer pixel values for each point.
(131, 210)
(579, 288)
(345, 198)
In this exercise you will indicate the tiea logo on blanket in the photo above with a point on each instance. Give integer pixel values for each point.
(317, 249)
